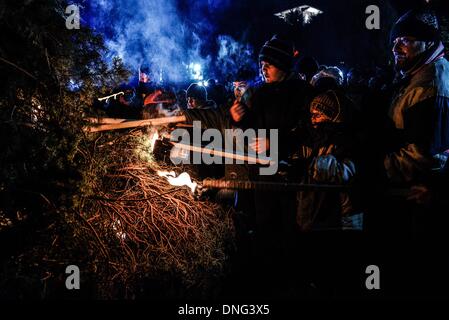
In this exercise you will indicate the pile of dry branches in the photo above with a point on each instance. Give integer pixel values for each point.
(141, 226)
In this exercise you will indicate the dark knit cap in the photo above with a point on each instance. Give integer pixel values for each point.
(327, 104)
(278, 52)
(144, 68)
(419, 23)
(197, 92)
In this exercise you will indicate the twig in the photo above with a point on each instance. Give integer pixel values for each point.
(18, 68)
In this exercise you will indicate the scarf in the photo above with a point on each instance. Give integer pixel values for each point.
(430, 56)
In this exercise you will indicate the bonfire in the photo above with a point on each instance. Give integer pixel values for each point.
(146, 223)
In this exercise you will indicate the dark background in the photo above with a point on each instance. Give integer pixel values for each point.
(337, 35)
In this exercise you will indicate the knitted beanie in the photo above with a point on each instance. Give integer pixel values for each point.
(327, 104)
(329, 72)
(419, 23)
(197, 92)
(278, 52)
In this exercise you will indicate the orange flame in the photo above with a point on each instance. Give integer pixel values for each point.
(182, 180)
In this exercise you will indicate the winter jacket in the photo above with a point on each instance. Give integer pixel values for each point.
(331, 152)
(282, 106)
(420, 112)
(330, 157)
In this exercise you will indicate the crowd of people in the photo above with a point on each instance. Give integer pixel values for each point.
(383, 139)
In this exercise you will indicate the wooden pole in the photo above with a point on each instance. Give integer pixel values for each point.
(280, 186)
(106, 120)
(270, 185)
(224, 154)
(136, 124)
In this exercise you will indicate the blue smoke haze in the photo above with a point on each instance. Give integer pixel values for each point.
(169, 35)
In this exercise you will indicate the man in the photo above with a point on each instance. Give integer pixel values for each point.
(279, 103)
(417, 155)
(143, 83)
(220, 118)
(241, 200)
(199, 108)
(419, 108)
(131, 104)
(196, 96)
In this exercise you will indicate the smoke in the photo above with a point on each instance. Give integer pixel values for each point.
(233, 57)
(168, 37)
(148, 31)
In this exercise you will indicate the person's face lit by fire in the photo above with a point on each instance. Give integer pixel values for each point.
(144, 77)
(406, 51)
(239, 88)
(271, 73)
(190, 103)
(317, 117)
(193, 103)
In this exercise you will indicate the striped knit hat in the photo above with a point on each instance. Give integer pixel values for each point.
(328, 105)
(278, 52)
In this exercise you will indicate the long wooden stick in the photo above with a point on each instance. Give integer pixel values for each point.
(107, 120)
(225, 154)
(273, 185)
(270, 185)
(137, 123)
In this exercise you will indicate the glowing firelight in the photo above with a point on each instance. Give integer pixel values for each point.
(153, 137)
(182, 180)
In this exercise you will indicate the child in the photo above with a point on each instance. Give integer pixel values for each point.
(330, 154)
